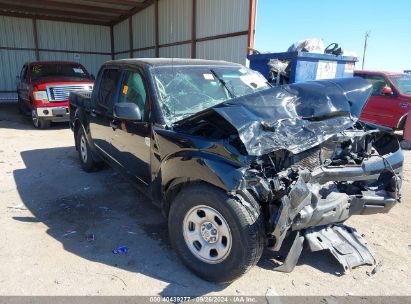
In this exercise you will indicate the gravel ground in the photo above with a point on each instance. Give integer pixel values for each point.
(59, 224)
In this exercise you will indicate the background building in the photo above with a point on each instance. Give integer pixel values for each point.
(92, 32)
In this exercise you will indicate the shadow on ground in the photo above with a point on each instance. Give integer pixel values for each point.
(92, 214)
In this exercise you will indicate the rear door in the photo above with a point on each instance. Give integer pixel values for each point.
(131, 139)
(101, 110)
(380, 108)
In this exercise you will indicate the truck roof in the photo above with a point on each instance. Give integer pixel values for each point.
(383, 73)
(171, 61)
(53, 62)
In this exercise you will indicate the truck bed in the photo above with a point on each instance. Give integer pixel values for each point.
(79, 99)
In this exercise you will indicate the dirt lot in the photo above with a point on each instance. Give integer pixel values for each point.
(50, 209)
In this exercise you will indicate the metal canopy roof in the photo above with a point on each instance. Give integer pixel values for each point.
(100, 12)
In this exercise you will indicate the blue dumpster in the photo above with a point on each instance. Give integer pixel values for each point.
(304, 66)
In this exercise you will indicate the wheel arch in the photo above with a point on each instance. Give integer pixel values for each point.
(215, 172)
(401, 122)
(76, 126)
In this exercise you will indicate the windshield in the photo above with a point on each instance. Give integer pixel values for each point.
(186, 90)
(60, 70)
(403, 83)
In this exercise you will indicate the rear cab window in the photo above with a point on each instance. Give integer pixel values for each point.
(402, 82)
(378, 82)
(108, 88)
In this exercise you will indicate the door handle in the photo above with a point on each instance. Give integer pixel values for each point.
(404, 105)
(93, 113)
(114, 124)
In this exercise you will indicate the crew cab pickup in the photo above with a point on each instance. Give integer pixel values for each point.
(43, 89)
(390, 100)
(236, 164)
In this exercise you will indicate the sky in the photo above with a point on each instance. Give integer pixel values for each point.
(281, 23)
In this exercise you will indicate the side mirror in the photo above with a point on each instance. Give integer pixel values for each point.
(92, 76)
(127, 111)
(386, 91)
(17, 77)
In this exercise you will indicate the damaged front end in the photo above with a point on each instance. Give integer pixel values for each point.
(354, 172)
(312, 164)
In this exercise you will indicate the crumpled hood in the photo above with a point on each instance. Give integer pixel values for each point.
(293, 117)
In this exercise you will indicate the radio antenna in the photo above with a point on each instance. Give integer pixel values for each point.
(367, 35)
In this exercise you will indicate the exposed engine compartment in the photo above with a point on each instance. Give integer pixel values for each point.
(355, 172)
(310, 163)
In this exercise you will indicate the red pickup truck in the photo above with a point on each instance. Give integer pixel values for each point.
(390, 101)
(43, 88)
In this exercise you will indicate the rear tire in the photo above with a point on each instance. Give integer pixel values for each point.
(215, 235)
(21, 108)
(405, 144)
(39, 123)
(86, 158)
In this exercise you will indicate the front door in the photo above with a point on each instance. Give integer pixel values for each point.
(380, 108)
(101, 110)
(131, 139)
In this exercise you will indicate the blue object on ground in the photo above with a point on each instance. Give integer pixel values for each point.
(121, 249)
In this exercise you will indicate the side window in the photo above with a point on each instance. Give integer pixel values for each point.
(107, 89)
(133, 90)
(378, 83)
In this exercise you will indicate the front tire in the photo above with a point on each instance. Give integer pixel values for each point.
(39, 123)
(88, 164)
(215, 235)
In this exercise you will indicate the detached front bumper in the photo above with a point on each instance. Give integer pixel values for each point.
(55, 114)
(330, 195)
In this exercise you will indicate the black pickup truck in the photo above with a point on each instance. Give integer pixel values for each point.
(237, 165)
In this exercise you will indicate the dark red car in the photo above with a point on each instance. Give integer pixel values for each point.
(390, 101)
(43, 88)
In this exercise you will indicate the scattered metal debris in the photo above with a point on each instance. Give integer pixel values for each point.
(18, 207)
(90, 237)
(127, 229)
(376, 269)
(69, 232)
(113, 276)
